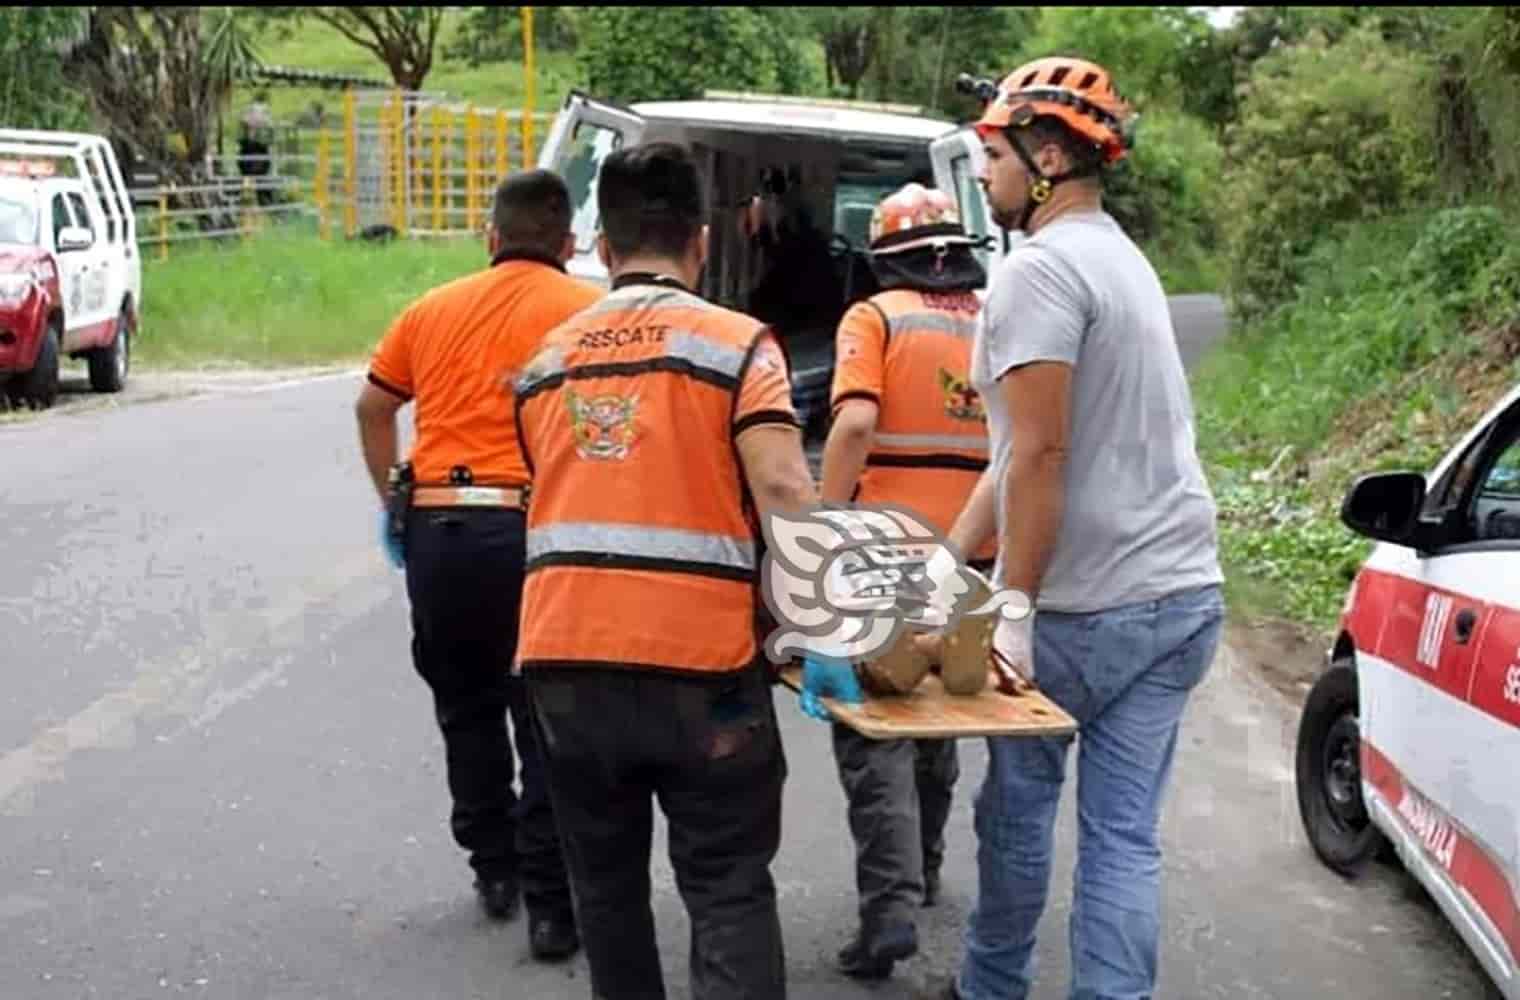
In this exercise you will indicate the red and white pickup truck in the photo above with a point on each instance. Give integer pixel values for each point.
(70, 271)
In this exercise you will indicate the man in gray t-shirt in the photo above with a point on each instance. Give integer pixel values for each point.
(1103, 518)
(1138, 519)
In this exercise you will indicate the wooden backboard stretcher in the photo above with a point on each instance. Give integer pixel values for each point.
(928, 712)
(927, 709)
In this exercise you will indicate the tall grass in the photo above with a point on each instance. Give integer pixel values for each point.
(287, 298)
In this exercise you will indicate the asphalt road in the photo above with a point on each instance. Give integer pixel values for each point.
(219, 776)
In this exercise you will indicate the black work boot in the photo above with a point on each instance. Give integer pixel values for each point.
(553, 939)
(931, 887)
(872, 956)
(498, 897)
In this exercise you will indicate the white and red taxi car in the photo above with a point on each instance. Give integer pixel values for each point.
(1411, 737)
(70, 273)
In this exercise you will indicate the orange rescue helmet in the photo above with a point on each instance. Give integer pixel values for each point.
(915, 216)
(1079, 93)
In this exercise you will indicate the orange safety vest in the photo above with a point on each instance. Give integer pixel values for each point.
(931, 432)
(641, 547)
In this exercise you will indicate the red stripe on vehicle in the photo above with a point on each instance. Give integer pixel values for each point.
(1496, 684)
(1364, 620)
(1443, 839)
(1410, 624)
(97, 334)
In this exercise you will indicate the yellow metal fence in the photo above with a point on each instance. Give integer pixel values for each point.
(414, 162)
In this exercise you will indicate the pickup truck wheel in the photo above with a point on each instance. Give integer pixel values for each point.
(1329, 775)
(108, 365)
(38, 388)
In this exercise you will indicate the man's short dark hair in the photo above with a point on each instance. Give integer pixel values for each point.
(651, 199)
(1086, 156)
(532, 212)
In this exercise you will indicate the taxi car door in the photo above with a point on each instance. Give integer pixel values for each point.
(1492, 802)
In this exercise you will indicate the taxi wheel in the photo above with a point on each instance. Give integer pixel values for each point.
(1329, 775)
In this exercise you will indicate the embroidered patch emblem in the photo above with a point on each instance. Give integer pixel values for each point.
(603, 425)
(961, 401)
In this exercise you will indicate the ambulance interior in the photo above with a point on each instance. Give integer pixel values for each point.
(824, 187)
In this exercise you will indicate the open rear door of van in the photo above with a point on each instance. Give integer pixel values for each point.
(583, 136)
(957, 159)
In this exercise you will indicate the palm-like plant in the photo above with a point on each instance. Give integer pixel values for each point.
(231, 57)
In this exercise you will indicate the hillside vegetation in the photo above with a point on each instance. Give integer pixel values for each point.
(1372, 270)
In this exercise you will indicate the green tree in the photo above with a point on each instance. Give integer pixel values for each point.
(912, 54)
(851, 37)
(1327, 134)
(1159, 56)
(231, 57)
(1476, 84)
(1164, 195)
(672, 53)
(405, 39)
(34, 90)
(147, 77)
(494, 34)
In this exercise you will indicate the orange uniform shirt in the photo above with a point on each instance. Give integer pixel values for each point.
(910, 353)
(456, 351)
(765, 395)
(860, 356)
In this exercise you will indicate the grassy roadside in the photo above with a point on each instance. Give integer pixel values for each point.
(1404, 331)
(287, 298)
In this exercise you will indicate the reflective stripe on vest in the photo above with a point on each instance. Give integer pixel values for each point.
(907, 324)
(967, 442)
(685, 352)
(640, 551)
(607, 544)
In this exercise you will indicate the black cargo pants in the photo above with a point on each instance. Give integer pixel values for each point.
(464, 575)
(899, 794)
(710, 751)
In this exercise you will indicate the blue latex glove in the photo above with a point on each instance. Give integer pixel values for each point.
(391, 547)
(827, 677)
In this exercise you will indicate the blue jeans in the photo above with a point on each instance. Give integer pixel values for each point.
(1125, 675)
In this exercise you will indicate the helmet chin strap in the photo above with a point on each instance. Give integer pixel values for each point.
(1042, 187)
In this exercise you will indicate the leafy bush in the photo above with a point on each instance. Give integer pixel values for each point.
(1456, 245)
(1327, 134)
(632, 54)
(1496, 289)
(495, 34)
